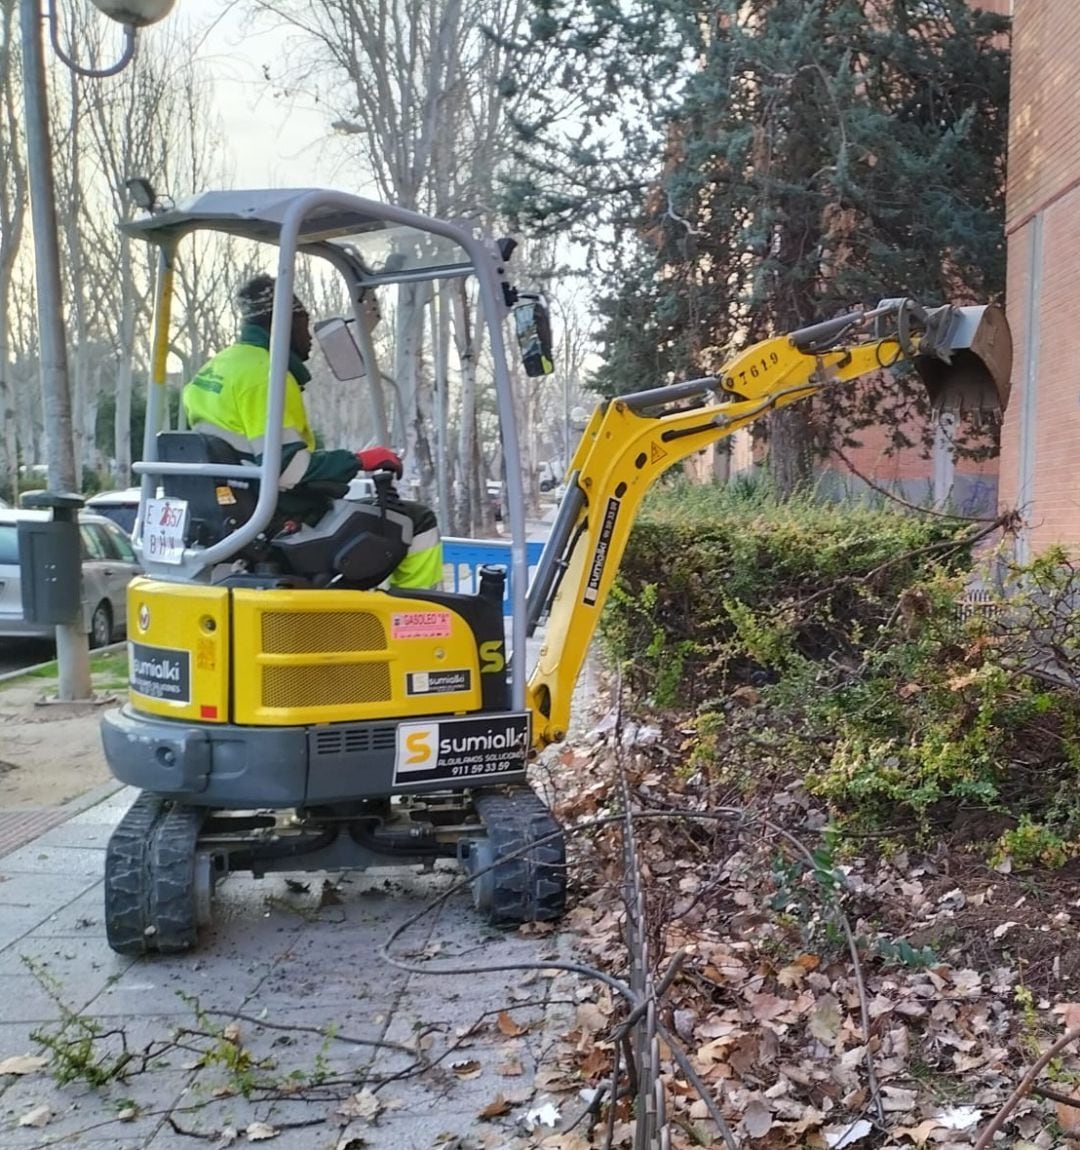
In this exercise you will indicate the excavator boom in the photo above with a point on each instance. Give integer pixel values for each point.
(630, 441)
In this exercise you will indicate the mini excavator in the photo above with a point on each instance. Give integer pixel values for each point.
(288, 711)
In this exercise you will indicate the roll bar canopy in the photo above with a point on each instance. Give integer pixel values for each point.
(379, 249)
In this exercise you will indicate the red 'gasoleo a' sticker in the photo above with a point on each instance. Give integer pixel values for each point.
(420, 625)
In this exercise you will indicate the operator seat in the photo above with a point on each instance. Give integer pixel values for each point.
(352, 545)
(216, 506)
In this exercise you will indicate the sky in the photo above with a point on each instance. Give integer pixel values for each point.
(269, 141)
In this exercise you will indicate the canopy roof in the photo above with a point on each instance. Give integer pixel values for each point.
(381, 247)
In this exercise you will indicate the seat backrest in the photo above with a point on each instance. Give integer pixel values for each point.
(217, 506)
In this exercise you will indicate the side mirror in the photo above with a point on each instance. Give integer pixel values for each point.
(337, 342)
(532, 322)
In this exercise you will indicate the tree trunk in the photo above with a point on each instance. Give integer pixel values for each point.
(441, 328)
(467, 501)
(791, 454)
(122, 426)
(7, 403)
(13, 199)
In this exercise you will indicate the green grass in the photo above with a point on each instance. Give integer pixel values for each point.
(107, 668)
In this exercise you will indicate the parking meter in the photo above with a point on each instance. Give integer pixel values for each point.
(50, 559)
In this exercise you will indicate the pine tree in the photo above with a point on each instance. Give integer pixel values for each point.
(779, 161)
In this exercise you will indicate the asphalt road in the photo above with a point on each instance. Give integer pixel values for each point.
(18, 653)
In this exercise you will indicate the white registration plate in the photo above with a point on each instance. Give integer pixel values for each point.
(163, 530)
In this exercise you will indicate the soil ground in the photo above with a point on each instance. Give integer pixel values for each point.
(51, 752)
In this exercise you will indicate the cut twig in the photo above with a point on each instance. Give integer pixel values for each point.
(1025, 1088)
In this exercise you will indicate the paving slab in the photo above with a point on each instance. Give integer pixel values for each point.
(29, 891)
(63, 957)
(78, 918)
(80, 1113)
(55, 860)
(298, 952)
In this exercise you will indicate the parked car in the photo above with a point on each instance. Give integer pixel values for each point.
(108, 563)
(120, 506)
(549, 473)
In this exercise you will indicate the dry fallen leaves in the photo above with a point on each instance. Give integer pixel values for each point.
(38, 1116)
(757, 1119)
(509, 1027)
(260, 1131)
(775, 1028)
(23, 1064)
(837, 1137)
(496, 1108)
(545, 1115)
(365, 1105)
(1068, 1117)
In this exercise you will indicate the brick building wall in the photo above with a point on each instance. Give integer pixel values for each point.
(1040, 455)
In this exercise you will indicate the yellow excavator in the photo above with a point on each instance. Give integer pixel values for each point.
(287, 709)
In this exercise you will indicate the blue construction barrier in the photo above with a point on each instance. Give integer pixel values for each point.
(463, 558)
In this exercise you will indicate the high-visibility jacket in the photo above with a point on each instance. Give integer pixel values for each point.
(229, 398)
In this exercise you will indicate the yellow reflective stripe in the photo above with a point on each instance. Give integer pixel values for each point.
(420, 568)
(162, 313)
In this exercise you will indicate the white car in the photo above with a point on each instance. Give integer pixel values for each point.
(120, 506)
(108, 564)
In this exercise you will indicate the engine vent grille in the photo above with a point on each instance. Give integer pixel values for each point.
(326, 685)
(355, 740)
(321, 632)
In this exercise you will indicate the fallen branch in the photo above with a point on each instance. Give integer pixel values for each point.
(1025, 1088)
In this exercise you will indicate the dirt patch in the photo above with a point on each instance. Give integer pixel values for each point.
(52, 752)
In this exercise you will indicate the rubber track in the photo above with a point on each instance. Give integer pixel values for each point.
(171, 892)
(531, 887)
(127, 876)
(149, 878)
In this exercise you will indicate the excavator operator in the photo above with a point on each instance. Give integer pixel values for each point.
(228, 398)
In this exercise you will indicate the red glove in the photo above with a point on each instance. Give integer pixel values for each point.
(379, 459)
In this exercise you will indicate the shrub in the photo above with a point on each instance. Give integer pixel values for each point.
(823, 642)
(732, 586)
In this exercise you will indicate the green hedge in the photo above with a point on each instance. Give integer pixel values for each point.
(823, 643)
(723, 585)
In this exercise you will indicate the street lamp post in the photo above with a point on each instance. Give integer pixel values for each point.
(72, 646)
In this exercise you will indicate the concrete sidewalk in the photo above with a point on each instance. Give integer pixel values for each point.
(281, 955)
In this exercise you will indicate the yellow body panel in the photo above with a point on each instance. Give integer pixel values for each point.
(332, 656)
(179, 650)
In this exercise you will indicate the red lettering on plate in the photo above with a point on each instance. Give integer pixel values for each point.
(420, 625)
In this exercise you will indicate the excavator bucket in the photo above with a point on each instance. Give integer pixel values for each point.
(965, 359)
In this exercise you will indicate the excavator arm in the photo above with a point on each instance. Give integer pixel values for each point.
(963, 354)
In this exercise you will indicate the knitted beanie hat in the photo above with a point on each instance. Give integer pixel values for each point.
(255, 299)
